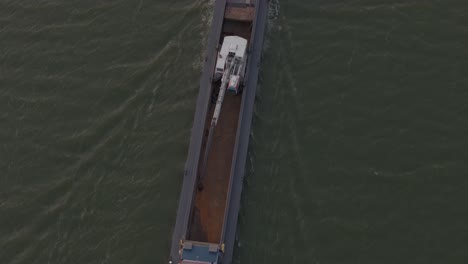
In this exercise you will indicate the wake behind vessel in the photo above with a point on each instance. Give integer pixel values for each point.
(210, 197)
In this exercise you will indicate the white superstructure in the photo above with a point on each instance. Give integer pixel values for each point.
(230, 67)
(232, 57)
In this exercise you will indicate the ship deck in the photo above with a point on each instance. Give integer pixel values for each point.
(211, 215)
(207, 216)
(240, 13)
(210, 202)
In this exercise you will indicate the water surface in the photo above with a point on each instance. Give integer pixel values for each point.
(358, 150)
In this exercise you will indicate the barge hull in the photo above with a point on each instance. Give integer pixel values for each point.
(240, 151)
(201, 110)
(244, 128)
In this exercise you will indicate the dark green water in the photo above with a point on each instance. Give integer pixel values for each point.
(359, 144)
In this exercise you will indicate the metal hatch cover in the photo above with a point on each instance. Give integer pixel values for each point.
(199, 253)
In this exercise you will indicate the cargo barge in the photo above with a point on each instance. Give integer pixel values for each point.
(205, 229)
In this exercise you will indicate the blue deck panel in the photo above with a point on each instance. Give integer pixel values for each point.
(200, 253)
